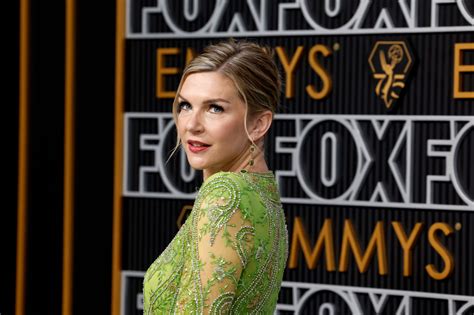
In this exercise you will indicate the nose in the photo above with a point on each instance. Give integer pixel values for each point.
(194, 123)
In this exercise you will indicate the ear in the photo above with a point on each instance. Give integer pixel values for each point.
(261, 122)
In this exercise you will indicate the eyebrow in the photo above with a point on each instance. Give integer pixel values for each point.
(212, 100)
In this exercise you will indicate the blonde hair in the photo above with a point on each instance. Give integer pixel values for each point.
(251, 68)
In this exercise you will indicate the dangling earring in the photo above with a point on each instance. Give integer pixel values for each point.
(252, 151)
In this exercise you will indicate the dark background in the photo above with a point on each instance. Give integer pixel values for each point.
(94, 114)
(149, 223)
(94, 79)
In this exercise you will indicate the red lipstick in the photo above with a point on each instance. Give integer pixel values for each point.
(197, 146)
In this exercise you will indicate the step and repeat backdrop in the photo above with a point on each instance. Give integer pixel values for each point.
(372, 147)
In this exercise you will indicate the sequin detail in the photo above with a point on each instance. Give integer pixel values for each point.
(222, 304)
(229, 257)
(223, 207)
(241, 234)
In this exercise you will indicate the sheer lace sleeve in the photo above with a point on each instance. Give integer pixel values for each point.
(222, 239)
(230, 254)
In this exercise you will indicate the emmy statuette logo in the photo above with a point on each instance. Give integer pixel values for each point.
(390, 62)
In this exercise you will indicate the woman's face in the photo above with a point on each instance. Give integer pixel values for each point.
(210, 123)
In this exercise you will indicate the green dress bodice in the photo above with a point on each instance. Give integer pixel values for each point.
(229, 255)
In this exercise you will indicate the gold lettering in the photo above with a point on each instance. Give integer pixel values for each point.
(318, 68)
(190, 54)
(441, 250)
(162, 71)
(349, 240)
(459, 68)
(300, 238)
(289, 67)
(407, 244)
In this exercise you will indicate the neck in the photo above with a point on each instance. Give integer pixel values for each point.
(259, 165)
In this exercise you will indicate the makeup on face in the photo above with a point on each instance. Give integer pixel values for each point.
(210, 122)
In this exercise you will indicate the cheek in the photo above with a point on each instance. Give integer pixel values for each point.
(232, 135)
(231, 130)
(179, 126)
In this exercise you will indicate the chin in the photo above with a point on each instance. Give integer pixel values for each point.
(197, 165)
(197, 168)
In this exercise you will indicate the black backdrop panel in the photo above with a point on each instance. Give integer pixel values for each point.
(376, 135)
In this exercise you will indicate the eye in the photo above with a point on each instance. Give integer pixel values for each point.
(183, 106)
(214, 108)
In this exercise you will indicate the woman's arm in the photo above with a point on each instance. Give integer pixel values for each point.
(222, 239)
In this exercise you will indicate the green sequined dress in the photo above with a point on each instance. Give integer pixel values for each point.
(229, 255)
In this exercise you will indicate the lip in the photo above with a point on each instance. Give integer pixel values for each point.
(197, 146)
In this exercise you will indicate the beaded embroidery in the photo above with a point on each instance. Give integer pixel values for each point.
(239, 271)
(240, 242)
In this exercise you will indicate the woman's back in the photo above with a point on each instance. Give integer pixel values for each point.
(230, 254)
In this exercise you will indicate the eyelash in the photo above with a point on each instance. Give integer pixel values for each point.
(220, 109)
(214, 107)
(181, 105)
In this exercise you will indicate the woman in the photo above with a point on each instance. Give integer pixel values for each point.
(230, 254)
